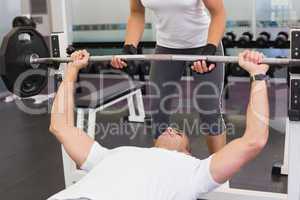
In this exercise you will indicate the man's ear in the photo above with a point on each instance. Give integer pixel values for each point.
(155, 142)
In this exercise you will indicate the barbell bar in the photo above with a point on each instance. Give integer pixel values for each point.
(24, 51)
(34, 59)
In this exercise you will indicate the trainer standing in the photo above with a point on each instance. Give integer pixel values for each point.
(184, 27)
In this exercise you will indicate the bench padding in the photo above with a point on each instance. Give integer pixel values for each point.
(107, 94)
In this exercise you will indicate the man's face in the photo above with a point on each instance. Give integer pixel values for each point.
(174, 140)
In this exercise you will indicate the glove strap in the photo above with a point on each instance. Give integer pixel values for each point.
(129, 49)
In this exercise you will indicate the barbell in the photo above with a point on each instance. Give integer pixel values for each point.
(35, 60)
(25, 59)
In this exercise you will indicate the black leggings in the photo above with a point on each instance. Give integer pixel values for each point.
(163, 77)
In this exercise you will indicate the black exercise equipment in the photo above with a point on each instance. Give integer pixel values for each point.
(235, 70)
(20, 78)
(70, 49)
(107, 94)
(22, 21)
(263, 40)
(229, 40)
(25, 59)
(245, 40)
(281, 40)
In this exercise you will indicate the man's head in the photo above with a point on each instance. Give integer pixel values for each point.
(174, 140)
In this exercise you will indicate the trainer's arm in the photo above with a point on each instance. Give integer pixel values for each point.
(75, 141)
(136, 23)
(236, 154)
(218, 20)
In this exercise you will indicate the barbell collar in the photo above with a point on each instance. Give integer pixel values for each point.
(167, 57)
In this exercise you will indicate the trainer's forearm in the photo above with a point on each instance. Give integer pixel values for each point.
(257, 122)
(135, 28)
(217, 27)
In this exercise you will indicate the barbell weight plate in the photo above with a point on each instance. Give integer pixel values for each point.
(25, 52)
(16, 46)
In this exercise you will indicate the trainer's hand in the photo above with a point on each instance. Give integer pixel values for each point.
(250, 61)
(118, 63)
(202, 66)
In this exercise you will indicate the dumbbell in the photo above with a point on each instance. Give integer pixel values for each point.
(229, 39)
(70, 49)
(236, 70)
(281, 40)
(245, 40)
(263, 40)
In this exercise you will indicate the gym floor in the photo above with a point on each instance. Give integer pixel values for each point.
(31, 163)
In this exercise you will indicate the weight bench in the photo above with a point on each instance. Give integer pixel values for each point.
(95, 102)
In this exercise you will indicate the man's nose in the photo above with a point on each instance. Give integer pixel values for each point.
(171, 131)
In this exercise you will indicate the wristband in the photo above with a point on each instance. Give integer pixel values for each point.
(259, 77)
(209, 49)
(129, 49)
(132, 66)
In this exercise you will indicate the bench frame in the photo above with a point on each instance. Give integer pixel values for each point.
(136, 114)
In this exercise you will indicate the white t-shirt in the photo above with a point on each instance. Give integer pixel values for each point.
(180, 24)
(141, 174)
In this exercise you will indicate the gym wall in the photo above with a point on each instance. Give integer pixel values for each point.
(104, 21)
(8, 10)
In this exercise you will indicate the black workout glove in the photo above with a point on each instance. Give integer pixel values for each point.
(209, 50)
(131, 68)
(129, 49)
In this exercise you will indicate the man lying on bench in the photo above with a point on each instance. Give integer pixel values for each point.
(167, 171)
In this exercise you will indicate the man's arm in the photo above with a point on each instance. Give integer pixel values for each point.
(236, 154)
(218, 20)
(76, 142)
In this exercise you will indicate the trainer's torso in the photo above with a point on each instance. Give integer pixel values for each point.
(180, 23)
